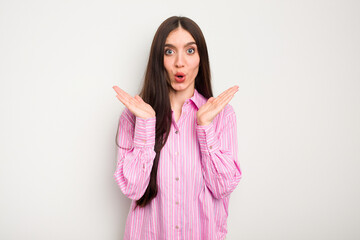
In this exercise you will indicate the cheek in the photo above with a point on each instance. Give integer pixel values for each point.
(167, 64)
(195, 63)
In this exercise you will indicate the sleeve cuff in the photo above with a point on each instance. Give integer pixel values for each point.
(144, 135)
(207, 138)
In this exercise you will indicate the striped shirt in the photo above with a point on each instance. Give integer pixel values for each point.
(197, 171)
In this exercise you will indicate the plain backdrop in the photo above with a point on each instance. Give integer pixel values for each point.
(297, 64)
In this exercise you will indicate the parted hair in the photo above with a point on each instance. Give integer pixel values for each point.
(156, 87)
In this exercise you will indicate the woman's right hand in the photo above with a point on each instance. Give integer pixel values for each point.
(135, 104)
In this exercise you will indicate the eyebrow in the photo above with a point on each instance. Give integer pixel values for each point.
(170, 45)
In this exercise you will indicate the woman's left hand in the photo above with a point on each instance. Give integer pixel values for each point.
(214, 106)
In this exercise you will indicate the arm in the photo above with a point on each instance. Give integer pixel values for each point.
(135, 154)
(219, 155)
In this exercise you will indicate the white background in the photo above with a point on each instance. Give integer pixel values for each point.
(298, 109)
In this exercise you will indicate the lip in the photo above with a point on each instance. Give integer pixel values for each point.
(180, 77)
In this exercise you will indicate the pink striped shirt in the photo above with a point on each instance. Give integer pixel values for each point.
(198, 169)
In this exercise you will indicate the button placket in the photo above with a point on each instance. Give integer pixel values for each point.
(178, 186)
(177, 154)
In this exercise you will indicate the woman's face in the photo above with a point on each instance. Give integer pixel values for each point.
(181, 60)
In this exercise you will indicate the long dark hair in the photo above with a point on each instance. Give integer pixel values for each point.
(155, 90)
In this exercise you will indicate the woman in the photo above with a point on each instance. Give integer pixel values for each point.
(177, 144)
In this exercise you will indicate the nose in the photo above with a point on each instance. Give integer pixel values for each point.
(179, 61)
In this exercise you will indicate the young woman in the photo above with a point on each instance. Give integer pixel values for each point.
(177, 144)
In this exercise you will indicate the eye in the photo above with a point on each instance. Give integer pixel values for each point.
(191, 50)
(168, 51)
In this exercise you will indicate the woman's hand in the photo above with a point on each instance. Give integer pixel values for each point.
(213, 106)
(135, 104)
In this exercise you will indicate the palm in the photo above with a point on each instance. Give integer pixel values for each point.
(214, 106)
(135, 104)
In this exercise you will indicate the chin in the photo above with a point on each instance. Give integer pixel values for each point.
(178, 88)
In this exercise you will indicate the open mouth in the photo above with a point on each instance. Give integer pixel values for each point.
(180, 77)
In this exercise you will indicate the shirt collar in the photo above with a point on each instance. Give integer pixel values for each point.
(198, 99)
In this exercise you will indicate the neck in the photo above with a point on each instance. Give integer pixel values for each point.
(177, 98)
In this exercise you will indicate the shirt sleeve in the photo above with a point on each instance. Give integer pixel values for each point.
(219, 154)
(135, 154)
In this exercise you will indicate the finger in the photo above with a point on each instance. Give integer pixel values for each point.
(209, 101)
(122, 98)
(125, 98)
(224, 92)
(230, 93)
(123, 101)
(207, 104)
(139, 99)
(122, 93)
(227, 91)
(118, 90)
(220, 103)
(226, 99)
(230, 89)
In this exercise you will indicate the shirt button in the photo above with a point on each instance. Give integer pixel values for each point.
(176, 131)
(177, 203)
(144, 141)
(177, 227)
(210, 147)
(177, 179)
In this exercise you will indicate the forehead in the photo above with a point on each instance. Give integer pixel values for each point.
(179, 36)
